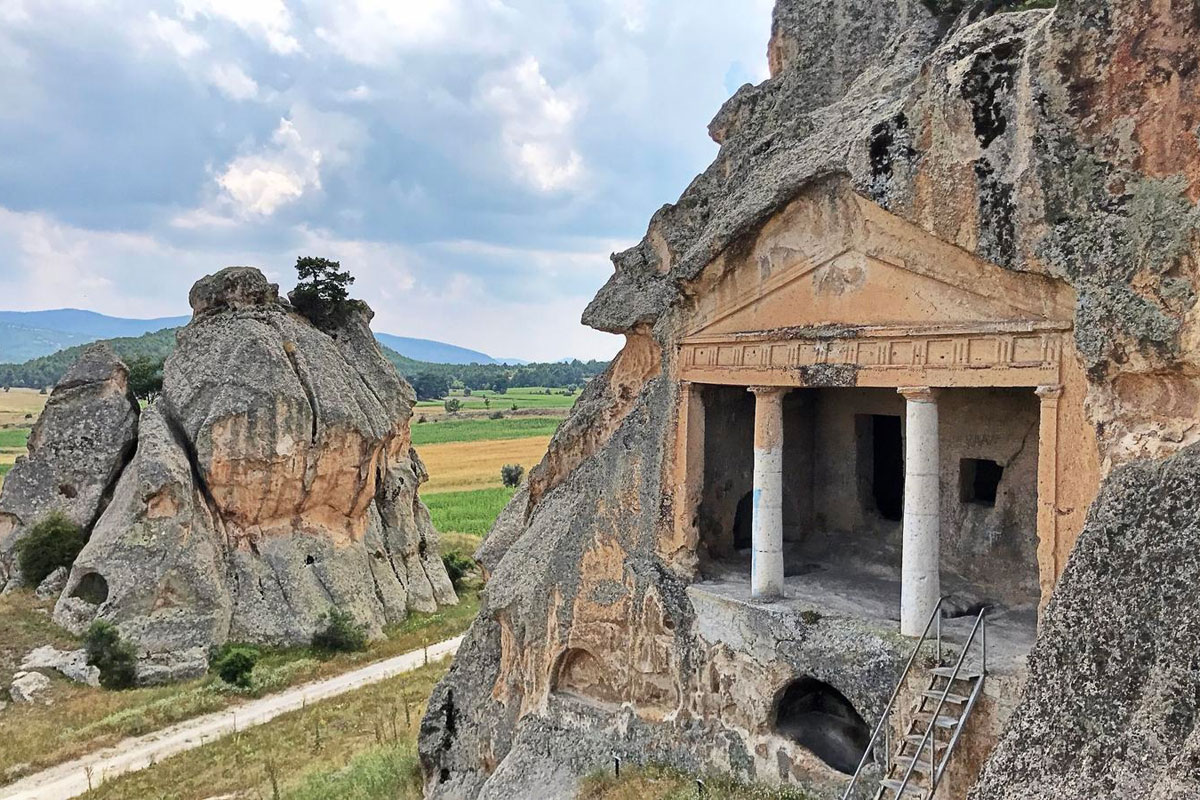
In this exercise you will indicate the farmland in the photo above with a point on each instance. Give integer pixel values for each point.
(18, 410)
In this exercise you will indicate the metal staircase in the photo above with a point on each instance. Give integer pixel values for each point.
(914, 765)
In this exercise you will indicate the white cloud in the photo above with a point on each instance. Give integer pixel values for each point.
(283, 172)
(375, 31)
(536, 123)
(231, 81)
(172, 32)
(261, 183)
(268, 20)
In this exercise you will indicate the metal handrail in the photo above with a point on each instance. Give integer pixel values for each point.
(935, 773)
(887, 711)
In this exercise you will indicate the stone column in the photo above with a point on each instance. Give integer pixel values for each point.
(766, 570)
(920, 579)
(1047, 491)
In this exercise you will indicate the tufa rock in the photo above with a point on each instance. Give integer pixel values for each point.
(81, 442)
(71, 663)
(52, 585)
(1060, 143)
(29, 687)
(274, 478)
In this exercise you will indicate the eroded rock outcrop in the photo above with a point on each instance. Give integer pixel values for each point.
(82, 441)
(1056, 142)
(274, 478)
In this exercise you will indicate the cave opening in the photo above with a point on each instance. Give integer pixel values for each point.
(820, 719)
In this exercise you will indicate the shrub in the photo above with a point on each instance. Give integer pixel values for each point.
(511, 475)
(457, 566)
(496, 415)
(54, 542)
(452, 405)
(340, 633)
(115, 658)
(514, 407)
(322, 294)
(421, 419)
(235, 663)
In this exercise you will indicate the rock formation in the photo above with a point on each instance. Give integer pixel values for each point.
(82, 441)
(1061, 143)
(273, 479)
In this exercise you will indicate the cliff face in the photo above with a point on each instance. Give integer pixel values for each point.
(1059, 142)
(274, 478)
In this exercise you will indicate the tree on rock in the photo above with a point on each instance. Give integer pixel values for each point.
(322, 294)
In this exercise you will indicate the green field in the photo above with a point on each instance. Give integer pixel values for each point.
(14, 438)
(521, 397)
(474, 430)
(467, 512)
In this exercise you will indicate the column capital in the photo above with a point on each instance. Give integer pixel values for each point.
(918, 394)
(768, 390)
(1051, 391)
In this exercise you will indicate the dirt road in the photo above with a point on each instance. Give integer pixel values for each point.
(74, 777)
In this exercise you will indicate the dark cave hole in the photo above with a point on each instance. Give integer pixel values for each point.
(819, 718)
(92, 588)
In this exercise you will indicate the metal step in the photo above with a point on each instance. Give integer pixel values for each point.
(936, 694)
(902, 762)
(943, 720)
(894, 785)
(915, 739)
(964, 674)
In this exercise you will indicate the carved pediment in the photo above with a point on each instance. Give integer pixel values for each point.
(832, 259)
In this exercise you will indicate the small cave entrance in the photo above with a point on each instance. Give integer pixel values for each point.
(979, 480)
(819, 718)
(92, 588)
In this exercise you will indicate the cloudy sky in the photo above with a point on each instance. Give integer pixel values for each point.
(472, 162)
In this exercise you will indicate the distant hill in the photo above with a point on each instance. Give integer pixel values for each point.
(433, 352)
(21, 343)
(26, 335)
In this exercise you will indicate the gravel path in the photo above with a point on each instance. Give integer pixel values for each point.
(71, 778)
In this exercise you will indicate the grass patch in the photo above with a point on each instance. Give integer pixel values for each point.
(83, 719)
(463, 466)
(14, 438)
(470, 512)
(359, 744)
(473, 430)
(664, 783)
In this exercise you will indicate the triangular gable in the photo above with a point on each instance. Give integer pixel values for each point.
(832, 258)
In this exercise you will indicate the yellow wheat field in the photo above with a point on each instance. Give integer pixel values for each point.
(16, 403)
(459, 466)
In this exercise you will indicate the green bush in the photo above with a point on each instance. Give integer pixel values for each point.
(511, 475)
(54, 542)
(452, 405)
(458, 567)
(340, 633)
(235, 663)
(115, 658)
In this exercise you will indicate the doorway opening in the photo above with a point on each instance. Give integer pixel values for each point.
(886, 444)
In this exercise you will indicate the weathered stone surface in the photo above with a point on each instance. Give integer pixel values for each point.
(274, 478)
(1110, 706)
(29, 687)
(1062, 143)
(77, 449)
(71, 663)
(52, 584)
